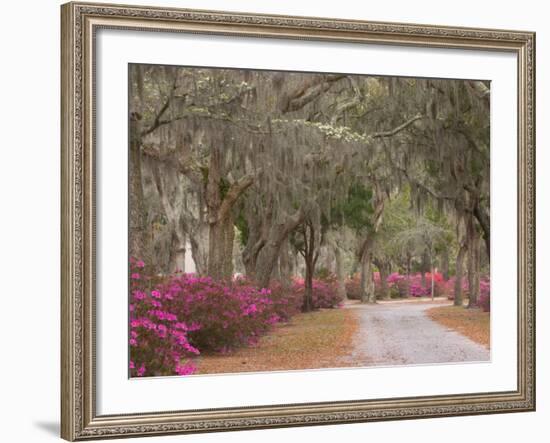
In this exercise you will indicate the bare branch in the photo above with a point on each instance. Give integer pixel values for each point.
(399, 128)
(309, 92)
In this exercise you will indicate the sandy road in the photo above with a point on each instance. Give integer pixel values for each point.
(399, 333)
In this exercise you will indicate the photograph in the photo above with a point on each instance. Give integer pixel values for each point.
(287, 217)
(283, 220)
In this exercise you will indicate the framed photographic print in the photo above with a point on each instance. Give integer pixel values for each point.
(281, 221)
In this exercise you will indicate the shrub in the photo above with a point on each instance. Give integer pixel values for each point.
(158, 340)
(324, 292)
(353, 287)
(484, 300)
(484, 291)
(173, 319)
(225, 314)
(399, 285)
(449, 290)
(286, 301)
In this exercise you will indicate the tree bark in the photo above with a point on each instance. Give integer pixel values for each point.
(250, 253)
(310, 253)
(258, 231)
(340, 271)
(177, 262)
(139, 239)
(432, 276)
(473, 265)
(267, 257)
(220, 218)
(445, 264)
(285, 267)
(484, 222)
(199, 248)
(459, 273)
(309, 259)
(367, 284)
(220, 249)
(383, 268)
(409, 258)
(366, 251)
(424, 268)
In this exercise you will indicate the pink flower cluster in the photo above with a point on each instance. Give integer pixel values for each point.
(484, 299)
(401, 285)
(237, 313)
(226, 314)
(412, 285)
(324, 292)
(484, 286)
(158, 341)
(174, 320)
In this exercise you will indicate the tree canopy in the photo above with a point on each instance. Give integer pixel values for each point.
(252, 169)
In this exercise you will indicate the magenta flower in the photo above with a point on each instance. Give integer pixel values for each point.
(139, 295)
(186, 369)
(161, 330)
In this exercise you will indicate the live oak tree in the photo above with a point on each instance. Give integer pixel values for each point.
(296, 163)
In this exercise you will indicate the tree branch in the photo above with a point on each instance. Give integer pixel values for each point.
(398, 129)
(309, 92)
(234, 192)
(157, 121)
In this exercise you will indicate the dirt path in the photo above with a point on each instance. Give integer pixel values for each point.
(398, 333)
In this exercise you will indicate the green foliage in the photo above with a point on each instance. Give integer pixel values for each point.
(242, 225)
(223, 187)
(356, 210)
(323, 273)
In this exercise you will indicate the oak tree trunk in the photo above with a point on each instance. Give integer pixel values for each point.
(139, 239)
(445, 264)
(459, 273)
(473, 265)
(267, 257)
(424, 268)
(220, 249)
(220, 203)
(199, 248)
(340, 272)
(285, 267)
(367, 282)
(384, 270)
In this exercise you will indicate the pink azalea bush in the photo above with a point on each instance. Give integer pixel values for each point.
(224, 315)
(324, 292)
(286, 301)
(416, 289)
(399, 285)
(175, 319)
(484, 299)
(353, 287)
(159, 342)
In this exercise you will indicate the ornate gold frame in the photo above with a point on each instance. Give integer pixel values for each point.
(79, 420)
